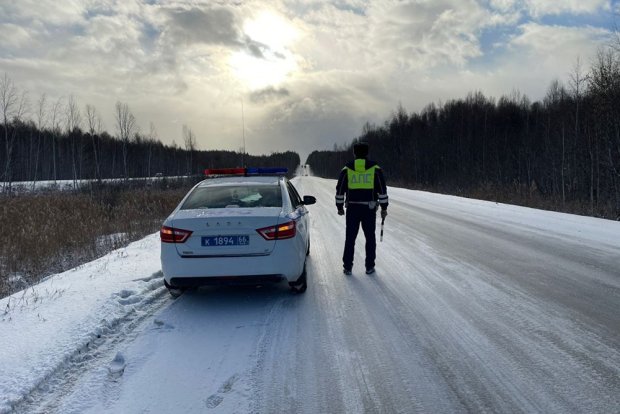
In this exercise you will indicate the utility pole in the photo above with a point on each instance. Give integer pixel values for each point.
(243, 133)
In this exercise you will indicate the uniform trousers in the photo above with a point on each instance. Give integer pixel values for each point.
(360, 214)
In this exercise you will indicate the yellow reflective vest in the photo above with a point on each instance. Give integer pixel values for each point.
(361, 178)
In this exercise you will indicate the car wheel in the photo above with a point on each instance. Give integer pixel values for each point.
(301, 284)
(174, 291)
(300, 288)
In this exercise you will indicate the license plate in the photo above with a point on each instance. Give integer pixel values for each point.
(217, 241)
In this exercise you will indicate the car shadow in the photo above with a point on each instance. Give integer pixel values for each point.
(271, 289)
(235, 297)
(226, 308)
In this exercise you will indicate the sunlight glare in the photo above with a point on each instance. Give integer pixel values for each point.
(271, 30)
(274, 34)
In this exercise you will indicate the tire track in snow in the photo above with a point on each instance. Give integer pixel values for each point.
(97, 349)
(493, 332)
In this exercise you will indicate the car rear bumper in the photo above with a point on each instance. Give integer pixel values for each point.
(183, 282)
(284, 263)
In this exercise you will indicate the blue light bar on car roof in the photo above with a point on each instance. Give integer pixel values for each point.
(266, 171)
(246, 171)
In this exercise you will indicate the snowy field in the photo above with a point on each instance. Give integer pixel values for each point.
(475, 307)
(68, 185)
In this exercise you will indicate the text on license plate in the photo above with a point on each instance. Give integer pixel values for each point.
(215, 241)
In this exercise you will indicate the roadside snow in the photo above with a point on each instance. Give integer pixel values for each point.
(579, 229)
(46, 326)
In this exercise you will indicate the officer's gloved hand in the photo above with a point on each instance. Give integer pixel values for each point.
(383, 213)
(341, 211)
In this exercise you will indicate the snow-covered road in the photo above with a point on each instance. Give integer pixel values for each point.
(475, 307)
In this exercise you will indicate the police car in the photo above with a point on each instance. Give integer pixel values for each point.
(239, 226)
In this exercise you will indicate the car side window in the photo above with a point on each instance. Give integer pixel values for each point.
(295, 199)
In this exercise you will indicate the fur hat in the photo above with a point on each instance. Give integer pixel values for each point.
(360, 150)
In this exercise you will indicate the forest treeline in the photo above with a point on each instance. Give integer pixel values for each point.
(560, 153)
(60, 141)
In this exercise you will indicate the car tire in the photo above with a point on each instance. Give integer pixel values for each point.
(301, 284)
(174, 291)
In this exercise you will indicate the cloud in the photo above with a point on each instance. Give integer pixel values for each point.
(538, 8)
(533, 57)
(48, 12)
(14, 37)
(503, 5)
(115, 37)
(387, 53)
(268, 94)
(554, 41)
(541, 8)
(210, 26)
(424, 34)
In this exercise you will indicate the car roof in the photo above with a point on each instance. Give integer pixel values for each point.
(241, 180)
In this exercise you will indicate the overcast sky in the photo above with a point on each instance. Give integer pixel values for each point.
(307, 73)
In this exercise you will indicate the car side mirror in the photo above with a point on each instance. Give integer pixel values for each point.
(309, 200)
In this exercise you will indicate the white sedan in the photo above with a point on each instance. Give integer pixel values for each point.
(245, 228)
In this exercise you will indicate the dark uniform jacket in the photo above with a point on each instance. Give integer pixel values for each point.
(375, 192)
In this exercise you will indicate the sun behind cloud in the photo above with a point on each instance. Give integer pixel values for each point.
(269, 61)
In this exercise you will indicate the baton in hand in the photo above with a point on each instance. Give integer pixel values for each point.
(382, 223)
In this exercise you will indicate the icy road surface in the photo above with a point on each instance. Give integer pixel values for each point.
(475, 307)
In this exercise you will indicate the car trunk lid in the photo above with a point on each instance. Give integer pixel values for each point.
(226, 231)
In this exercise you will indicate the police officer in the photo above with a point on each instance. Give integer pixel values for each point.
(362, 183)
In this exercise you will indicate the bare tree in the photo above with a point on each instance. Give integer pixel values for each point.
(41, 124)
(577, 78)
(577, 81)
(12, 107)
(190, 145)
(126, 127)
(94, 129)
(8, 100)
(74, 121)
(150, 141)
(56, 122)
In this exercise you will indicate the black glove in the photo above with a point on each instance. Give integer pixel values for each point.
(383, 213)
(341, 211)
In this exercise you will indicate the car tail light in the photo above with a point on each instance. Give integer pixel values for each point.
(279, 232)
(172, 235)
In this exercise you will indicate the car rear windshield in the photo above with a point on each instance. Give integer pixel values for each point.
(234, 196)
